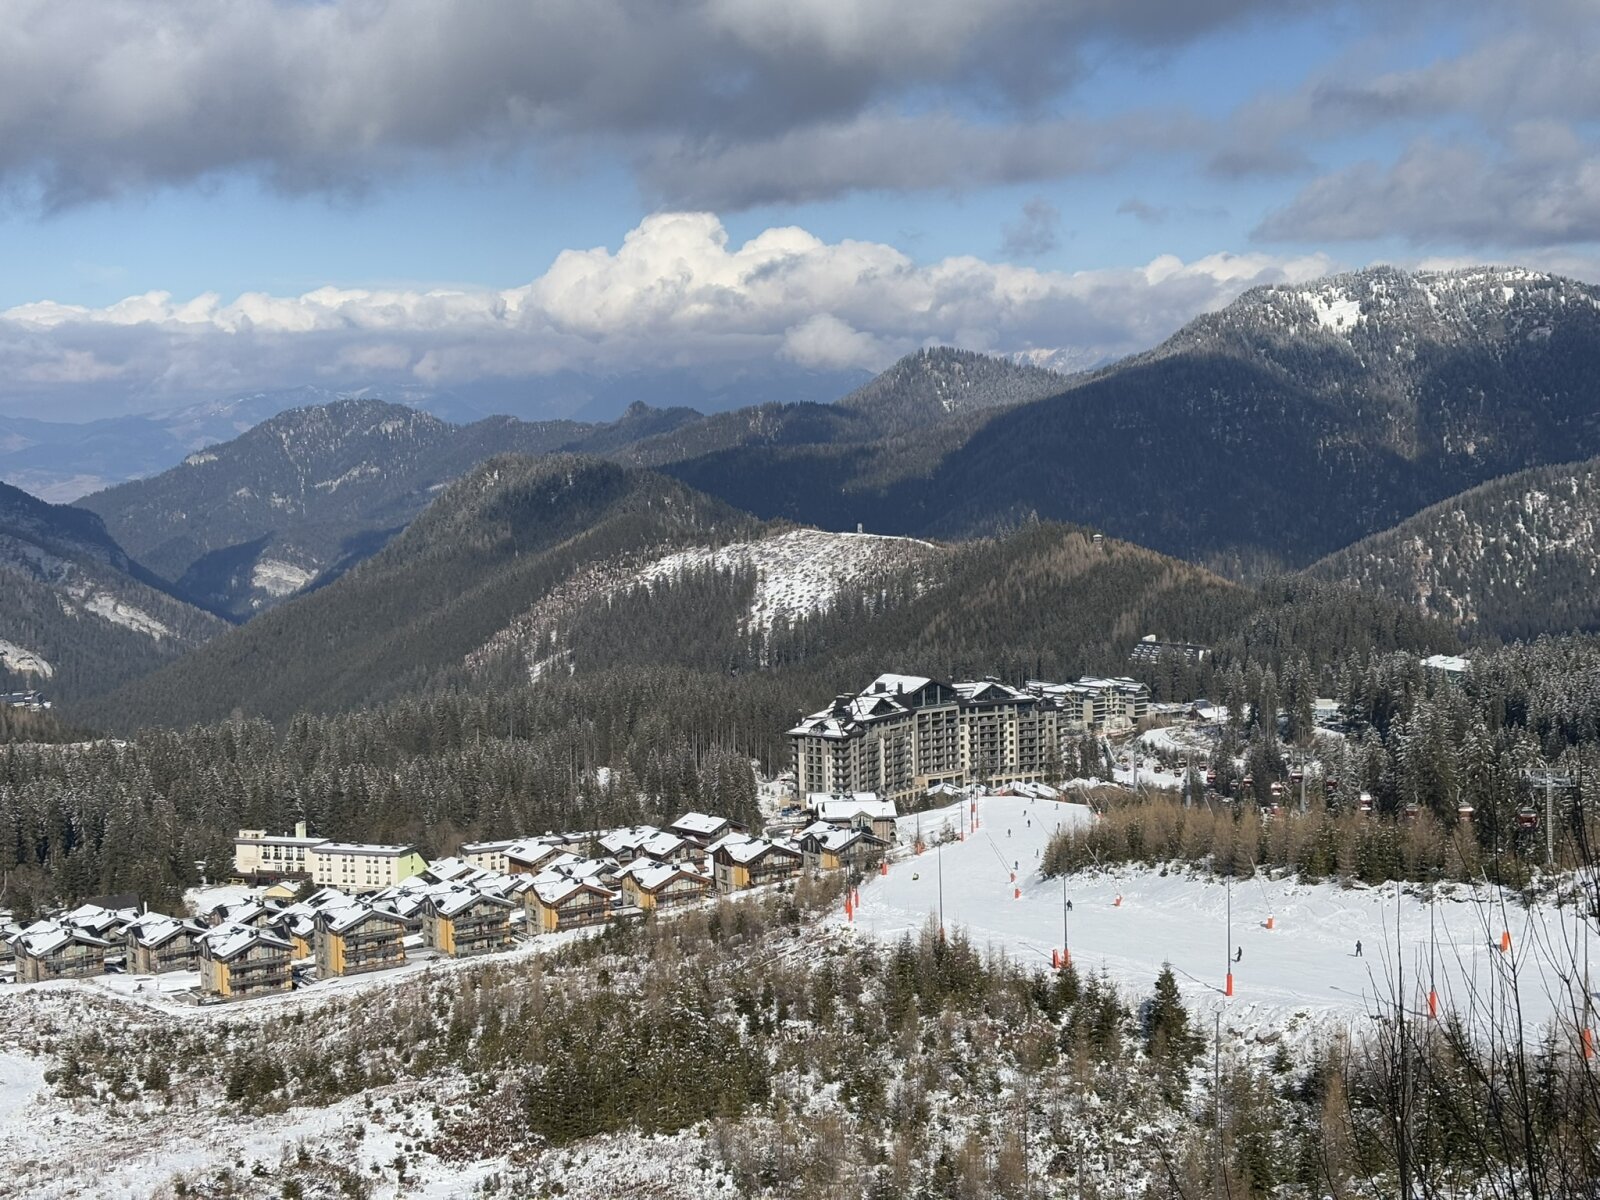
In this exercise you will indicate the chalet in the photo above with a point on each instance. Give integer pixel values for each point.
(827, 848)
(661, 885)
(669, 848)
(258, 916)
(358, 938)
(157, 943)
(859, 810)
(752, 862)
(57, 950)
(623, 844)
(703, 829)
(101, 922)
(562, 903)
(530, 856)
(240, 961)
(462, 922)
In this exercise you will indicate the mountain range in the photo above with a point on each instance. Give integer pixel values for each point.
(1276, 433)
(77, 615)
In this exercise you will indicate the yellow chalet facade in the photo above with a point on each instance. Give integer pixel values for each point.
(568, 904)
(462, 922)
(739, 863)
(239, 961)
(651, 885)
(357, 938)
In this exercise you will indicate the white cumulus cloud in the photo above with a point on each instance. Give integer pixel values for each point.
(676, 294)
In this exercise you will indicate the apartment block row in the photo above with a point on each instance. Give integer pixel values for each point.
(485, 901)
(905, 735)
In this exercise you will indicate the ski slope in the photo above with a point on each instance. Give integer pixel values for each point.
(1299, 976)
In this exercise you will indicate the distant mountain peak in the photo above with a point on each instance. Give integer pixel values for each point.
(942, 380)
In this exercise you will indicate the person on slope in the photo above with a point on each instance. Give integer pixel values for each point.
(1358, 949)
(1238, 954)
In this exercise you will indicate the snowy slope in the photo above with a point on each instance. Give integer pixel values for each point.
(1302, 973)
(799, 573)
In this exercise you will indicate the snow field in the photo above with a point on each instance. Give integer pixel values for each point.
(1301, 975)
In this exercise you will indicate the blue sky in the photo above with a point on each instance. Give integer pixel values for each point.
(296, 187)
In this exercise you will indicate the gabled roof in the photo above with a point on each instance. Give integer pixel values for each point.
(343, 920)
(700, 824)
(753, 850)
(532, 851)
(620, 840)
(455, 901)
(154, 930)
(48, 937)
(848, 808)
(552, 892)
(229, 941)
(656, 875)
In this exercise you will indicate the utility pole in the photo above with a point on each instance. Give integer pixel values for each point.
(1066, 943)
(1550, 780)
(939, 855)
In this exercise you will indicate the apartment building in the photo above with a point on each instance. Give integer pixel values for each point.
(259, 855)
(905, 734)
(362, 866)
(1094, 703)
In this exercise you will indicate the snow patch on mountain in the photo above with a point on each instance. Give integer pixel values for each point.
(24, 662)
(798, 574)
(1334, 310)
(109, 608)
(277, 578)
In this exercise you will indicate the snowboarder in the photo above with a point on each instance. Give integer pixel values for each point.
(1358, 949)
(1238, 954)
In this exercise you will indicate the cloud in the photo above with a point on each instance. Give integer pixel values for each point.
(1035, 233)
(1542, 190)
(122, 95)
(676, 294)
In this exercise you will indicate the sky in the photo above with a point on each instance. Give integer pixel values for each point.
(201, 199)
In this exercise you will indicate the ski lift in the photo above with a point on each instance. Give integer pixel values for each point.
(1364, 802)
(1464, 813)
(1211, 778)
(1276, 788)
(1527, 818)
(1411, 812)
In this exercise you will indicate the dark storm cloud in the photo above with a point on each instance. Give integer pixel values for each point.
(102, 98)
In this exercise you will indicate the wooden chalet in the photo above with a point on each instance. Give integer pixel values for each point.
(462, 922)
(829, 849)
(564, 903)
(750, 862)
(57, 950)
(531, 856)
(703, 829)
(157, 943)
(238, 961)
(661, 885)
(357, 938)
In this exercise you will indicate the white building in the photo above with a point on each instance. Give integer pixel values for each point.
(256, 852)
(362, 867)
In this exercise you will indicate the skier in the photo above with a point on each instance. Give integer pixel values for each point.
(1238, 954)
(1069, 905)
(1358, 949)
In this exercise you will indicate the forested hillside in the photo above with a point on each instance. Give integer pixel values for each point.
(310, 492)
(1517, 556)
(77, 615)
(492, 544)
